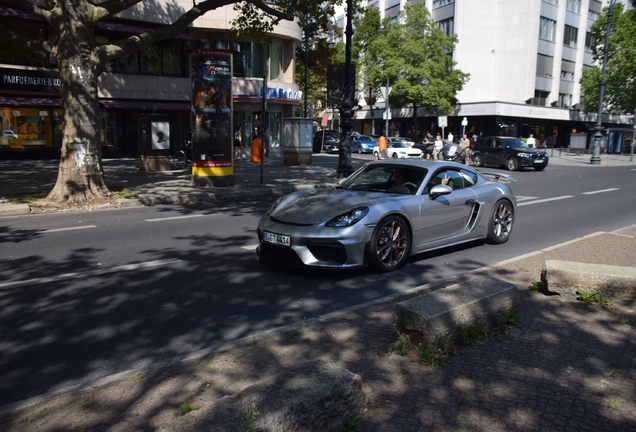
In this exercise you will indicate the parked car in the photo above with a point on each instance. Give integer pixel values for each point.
(363, 143)
(331, 145)
(385, 212)
(9, 134)
(509, 152)
(396, 149)
(406, 140)
(318, 136)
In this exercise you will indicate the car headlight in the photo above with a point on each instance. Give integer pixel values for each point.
(349, 218)
(524, 155)
(271, 208)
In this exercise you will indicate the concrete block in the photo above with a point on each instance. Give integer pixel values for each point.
(438, 317)
(616, 283)
(313, 396)
(14, 209)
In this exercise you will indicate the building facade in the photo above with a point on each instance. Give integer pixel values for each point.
(152, 83)
(525, 59)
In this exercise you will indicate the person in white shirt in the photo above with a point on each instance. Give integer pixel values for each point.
(530, 141)
(451, 136)
(439, 146)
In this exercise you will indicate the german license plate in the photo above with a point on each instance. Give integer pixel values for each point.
(538, 161)
(278, 239)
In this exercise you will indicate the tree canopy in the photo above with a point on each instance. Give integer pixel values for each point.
(620, 81)
(415, 55)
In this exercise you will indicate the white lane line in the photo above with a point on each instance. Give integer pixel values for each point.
(67, 229)
(96, 272)
(250, 247)
(545, 200)
(177, 217)
(526, 198)
(600, 191)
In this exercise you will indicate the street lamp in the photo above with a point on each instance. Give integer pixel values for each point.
(346, 107)
(598, 135)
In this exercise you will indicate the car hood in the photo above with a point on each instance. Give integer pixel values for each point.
(320, 205)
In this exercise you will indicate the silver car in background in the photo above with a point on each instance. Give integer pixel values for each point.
(385, 212)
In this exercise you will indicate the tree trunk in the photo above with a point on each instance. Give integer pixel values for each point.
(81, 176)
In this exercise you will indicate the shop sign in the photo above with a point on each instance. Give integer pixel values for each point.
(30, 80)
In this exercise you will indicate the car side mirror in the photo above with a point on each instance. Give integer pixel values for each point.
(439, 190)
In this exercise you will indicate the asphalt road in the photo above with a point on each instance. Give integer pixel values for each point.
(91, 294)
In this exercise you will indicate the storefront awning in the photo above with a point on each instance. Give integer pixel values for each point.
(44, 102)
(149, 106)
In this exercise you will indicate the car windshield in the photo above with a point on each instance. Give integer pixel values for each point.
(365, 138)
(515, 143)
(382, 178)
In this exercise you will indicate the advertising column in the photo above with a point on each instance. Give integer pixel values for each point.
(212, 161)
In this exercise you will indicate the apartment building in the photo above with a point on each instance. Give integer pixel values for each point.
(525, 59)
(154, 83)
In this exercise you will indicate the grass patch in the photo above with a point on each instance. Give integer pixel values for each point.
(402, 345)
(612, 403)
(592, 297)
(254, 341)
(472, 335)
(249, 418)
(185, 408)
(126, 193)
(537, 286)
(352, 424)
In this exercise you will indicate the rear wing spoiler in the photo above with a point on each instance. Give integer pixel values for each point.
(494, 176)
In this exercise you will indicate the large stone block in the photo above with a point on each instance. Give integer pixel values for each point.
(314, 396)
(438, 317)
(616, 283)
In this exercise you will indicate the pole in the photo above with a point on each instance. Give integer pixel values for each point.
(306, 57)
(345, 169)
(262, 131)
(598, 135)
(387, 110)
(631, 153)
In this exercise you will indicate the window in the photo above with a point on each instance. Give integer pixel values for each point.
(172, 64)
(540, 97)
(573, 6)
(544, 65)
(589, 41)
(22, 55)
(151, 60)
(565, 100)
(554, 2)
(567, 70)
(276, 62)
(438, 3)
(447, 26)
(392, 12)
(547, 29)
(570, 36)
(249, 63)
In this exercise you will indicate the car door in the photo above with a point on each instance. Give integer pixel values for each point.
(446, 218)
(498, 152)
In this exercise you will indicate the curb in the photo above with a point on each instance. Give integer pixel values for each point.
(14, 210)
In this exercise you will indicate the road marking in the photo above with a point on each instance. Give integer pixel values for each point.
(67, 229)
(89, 273)
(250, 247)
(177, 217)
(600, 191)
(526, 198)
(545, 200)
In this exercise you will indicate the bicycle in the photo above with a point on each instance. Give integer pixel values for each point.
(183, 158)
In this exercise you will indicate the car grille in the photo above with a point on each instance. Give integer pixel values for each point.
(328, 251)
(279, 254)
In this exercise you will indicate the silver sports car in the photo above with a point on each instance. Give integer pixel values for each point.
(385, 212)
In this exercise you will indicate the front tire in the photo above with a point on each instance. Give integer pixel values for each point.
(478, 161)
(390, 245)
(512, 164)
(500, 223)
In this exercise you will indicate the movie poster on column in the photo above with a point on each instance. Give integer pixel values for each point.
(211, 107)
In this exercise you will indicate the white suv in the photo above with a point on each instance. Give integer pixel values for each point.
(9, 134)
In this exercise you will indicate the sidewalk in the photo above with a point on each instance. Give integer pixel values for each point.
(565, 365)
